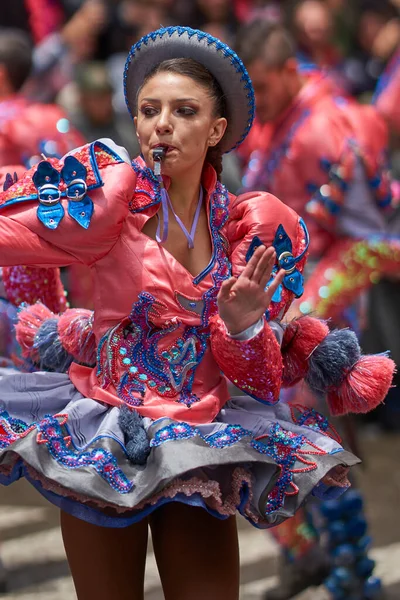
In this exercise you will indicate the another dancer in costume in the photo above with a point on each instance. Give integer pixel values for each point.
(325, 157)
(150, 434)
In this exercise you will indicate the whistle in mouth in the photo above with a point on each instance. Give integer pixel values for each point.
(158, 155)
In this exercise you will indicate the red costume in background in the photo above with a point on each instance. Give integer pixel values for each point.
(387, 95)
(326, 158)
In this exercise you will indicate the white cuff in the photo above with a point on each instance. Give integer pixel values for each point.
(253, 330)
(249, 333)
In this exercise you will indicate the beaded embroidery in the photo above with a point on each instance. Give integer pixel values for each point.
(309, 417)
(129, 355)
(12, 429)
(51, 434)
(132, 348)
(285, 448)
(93, 157)
(228, 436)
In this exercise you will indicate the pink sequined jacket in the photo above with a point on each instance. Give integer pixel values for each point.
(309, 157)
(161, 345)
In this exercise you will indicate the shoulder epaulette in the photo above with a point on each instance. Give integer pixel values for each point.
(71, 177)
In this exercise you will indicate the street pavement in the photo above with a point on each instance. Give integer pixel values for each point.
(33, 553)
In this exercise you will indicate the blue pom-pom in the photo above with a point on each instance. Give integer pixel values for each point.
(344, 555)
(52, 354)
(373, 588)
(332, 359)
(337, 532)
(352, 502)
(365, 567)
(137, 444)
(331, 510)
(356, 527)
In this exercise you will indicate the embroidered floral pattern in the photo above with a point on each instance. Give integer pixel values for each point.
(309, 417)
(51, 434)
(133, 357)
(285, 447)
(92, 157)
(228, 436)
(132, 349)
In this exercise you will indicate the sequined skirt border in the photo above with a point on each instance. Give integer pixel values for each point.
(260, 461)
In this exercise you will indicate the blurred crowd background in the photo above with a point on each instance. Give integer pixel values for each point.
(80, 46)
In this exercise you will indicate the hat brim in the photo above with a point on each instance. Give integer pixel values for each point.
(222, 62)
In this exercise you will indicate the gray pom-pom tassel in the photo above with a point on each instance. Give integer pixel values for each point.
(136, 441)
(52, 354)
(332, 360)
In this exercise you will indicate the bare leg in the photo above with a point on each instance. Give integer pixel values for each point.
(105, 563)
(197, 555)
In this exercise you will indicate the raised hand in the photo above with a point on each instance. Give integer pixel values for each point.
(243, 300)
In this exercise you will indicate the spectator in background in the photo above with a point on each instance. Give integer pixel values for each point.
(94, 114)
(214, 16)
(27, 129)
(313, 28)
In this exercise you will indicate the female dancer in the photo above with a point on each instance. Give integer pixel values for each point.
(191, 285)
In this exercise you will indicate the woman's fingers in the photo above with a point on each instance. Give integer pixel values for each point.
(249, 269)
(264, 265)
(225, 289)
(262, 260)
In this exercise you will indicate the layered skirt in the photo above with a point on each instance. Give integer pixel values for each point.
(263, 461)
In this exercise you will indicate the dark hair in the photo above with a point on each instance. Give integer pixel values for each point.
(16, 56)
(198, 72)
(269, 41)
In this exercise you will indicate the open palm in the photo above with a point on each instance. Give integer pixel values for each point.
(243, 300)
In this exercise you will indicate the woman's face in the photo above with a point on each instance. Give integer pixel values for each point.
(175, 112)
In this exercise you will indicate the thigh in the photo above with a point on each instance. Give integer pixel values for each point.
(197, 555)
(105, 563)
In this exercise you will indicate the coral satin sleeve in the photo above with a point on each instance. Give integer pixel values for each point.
(25, 240)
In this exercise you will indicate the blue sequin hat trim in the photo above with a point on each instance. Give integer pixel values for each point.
(217, 57)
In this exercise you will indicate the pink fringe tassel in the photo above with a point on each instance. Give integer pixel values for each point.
(365, 387)
(29, 321)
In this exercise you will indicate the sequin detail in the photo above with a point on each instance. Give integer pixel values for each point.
(133, 361)
(93, 157)
(50, 433)
(254, 366)
(286, 448)
(229, 435)
(309, 417)
(33, 284)
(134, 356)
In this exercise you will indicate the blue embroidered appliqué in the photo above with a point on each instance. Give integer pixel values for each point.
(283, 446)
(229, 435)
(134, 347)
(47, 180)
(51, 434)
(293, 280)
